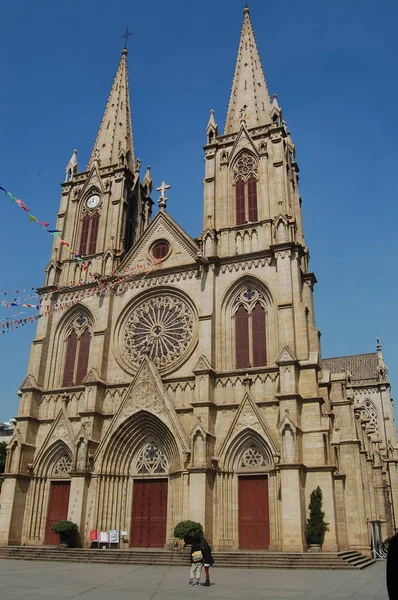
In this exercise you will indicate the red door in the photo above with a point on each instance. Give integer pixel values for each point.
(253, 513)
(57, 508)
(148, 523)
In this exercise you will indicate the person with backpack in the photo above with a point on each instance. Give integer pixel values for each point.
(208, 561)
(392, 562)
(196, 562)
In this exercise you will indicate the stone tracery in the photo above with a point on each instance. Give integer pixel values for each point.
(63, 466)
(252, 458)
(151, 460)
(245, 165)
(161, 327)
(369, 411)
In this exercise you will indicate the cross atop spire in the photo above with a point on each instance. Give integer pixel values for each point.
(114, 143)
(126, 36)
(249, 88)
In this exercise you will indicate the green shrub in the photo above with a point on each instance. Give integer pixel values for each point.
(67, 532)
(316, 525)
(188, 531)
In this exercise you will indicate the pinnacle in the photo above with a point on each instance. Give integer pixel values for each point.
(114, 142)
(249, 87)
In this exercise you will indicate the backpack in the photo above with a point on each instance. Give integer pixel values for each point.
(197, 556)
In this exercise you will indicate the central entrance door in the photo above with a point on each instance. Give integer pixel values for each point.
(148, 522)
(57, 508)
(253, 513)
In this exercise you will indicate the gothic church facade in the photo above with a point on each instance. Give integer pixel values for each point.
(196, 390)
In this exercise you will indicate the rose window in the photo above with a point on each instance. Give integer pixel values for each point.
(246, 164)
(63, 466)
(151, 460)
(252, 458)
(162, 327)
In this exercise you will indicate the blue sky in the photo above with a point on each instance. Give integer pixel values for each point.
(333, 66)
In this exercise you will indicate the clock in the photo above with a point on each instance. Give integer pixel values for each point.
(93, 201)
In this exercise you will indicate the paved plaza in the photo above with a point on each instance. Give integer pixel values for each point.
(61, 581)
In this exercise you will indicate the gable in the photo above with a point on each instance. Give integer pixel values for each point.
(183, 249)
(93, 181)
(61, 432)
(243, 141)
(247, 418)
(146, 393)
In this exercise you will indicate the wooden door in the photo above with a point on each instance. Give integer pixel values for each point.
(253, 513)
(57, 508)
(148, 523)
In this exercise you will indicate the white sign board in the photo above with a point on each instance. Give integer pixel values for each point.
(114, 536)
(103, 537)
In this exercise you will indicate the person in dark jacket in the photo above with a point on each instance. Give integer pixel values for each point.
(196, 562)
(392, 568)
(208, 560)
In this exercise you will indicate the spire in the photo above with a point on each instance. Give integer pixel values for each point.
(72, 166)
(114, 143)
(249, 95)
(147, 181)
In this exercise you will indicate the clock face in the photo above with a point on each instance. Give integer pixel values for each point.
(93, 201)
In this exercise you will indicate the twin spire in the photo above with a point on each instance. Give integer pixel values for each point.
(249, 99)
(114, 143)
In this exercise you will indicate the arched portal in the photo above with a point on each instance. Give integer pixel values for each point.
(49, 492)
(139, 487)
(247, 480)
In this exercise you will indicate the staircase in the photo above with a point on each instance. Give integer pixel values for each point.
(240, 559)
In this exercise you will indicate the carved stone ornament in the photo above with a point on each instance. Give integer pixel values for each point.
(60, 432)
(252, 458)
(245, 165)
(162, 327)
(368, 411)
(143, 397)
(248, 419)
(63, 466)
(151, 460)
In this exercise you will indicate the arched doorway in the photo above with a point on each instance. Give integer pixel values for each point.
(140, 485)
(253, 503)
(150, 492)
(58, 493)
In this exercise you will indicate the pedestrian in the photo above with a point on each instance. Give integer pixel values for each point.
(208, 561)
(392, 562)
(196, 562)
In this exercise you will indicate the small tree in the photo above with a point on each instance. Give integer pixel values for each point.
(316, 525)
(3, 452)
(67, 532)
(188, 531)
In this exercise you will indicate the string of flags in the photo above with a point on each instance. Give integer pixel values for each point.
(13, 292)
(99, 285)
(56, 233)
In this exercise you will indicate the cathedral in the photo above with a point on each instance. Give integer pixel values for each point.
(175, 378)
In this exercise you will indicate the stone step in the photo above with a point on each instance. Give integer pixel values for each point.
(241, 559)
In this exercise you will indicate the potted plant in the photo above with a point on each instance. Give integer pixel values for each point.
(316, 524)
(188, 531)
(67, 532)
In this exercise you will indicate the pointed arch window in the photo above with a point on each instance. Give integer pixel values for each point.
(242, 338)
(245, 174)
(250, 330)
(89, 233)
(77, 353)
